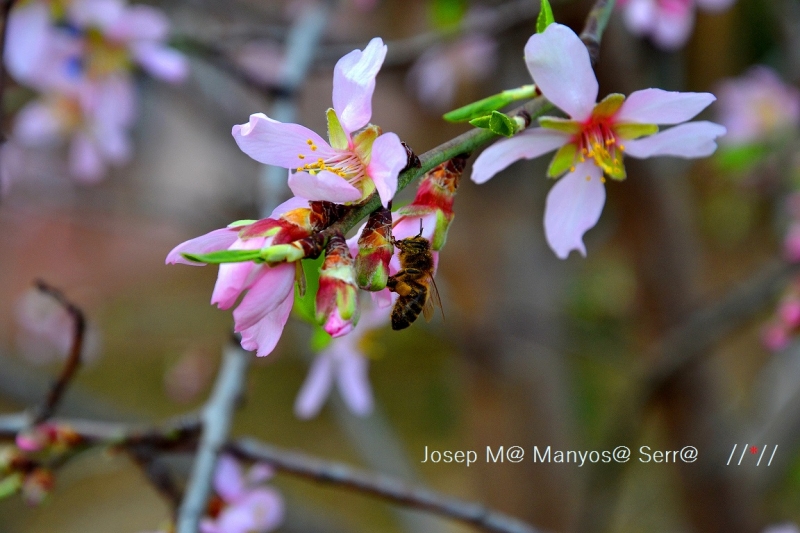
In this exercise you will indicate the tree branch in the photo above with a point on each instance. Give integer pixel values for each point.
(74, 359)
(216, 419)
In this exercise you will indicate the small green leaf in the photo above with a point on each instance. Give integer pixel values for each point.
(498, 123)
(240, 223)
(545, 17)
(489, 104)
(304, 305)
(224, 256)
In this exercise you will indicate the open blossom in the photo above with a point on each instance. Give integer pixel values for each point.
(264, 309)
(244, 504)
(592, 141)
(757, 105)
(668, 23)
(356, 162)
(343, 362)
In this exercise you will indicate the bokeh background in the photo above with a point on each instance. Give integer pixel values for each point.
(533, 350)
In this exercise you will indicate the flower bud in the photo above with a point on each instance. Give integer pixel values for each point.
(37, 485)
(375, 250)
(434, 200)
(337, 297)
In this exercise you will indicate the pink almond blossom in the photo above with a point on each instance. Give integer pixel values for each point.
(247, 505)
(592, 141)
(358, 160)
(343, 362)
(269, 291)
(668, 23)
(757, 106)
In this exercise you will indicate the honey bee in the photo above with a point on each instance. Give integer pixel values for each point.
(414, 282)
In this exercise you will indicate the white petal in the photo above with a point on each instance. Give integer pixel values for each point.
(526, 145)
(353, 383)
(690, 140)
(559, 64)
(573, 207)
(656, 106)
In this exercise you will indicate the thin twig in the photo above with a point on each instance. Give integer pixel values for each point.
(216, 418)
(378, 485)
(181, 435)
(73, 360)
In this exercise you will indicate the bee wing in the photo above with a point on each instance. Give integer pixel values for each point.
(432, 301)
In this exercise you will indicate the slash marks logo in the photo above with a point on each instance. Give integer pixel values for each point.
(750, 453)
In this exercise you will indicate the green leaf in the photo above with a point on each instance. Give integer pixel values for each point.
(497, 122)
(545, 17)
(224, 256)
(240, 223)
(304, 305)
(489, 104)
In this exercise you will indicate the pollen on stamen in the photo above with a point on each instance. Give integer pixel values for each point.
(309, 142)
(301, 156)
(572, 169)
(621, 147)
(602, 179)
(588, 178)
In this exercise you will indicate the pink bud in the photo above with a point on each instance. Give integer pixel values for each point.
(789, 311)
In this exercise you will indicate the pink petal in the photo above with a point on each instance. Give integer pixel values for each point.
(673, 28)
(275, 143)
(228, 479)
(382, 299)
(690, 140)
(526, 145)
(295, 202)
(388, 159)
(111, 103)
(354, 83)
(161, 62)
(573, 207)
(26, 39)
(262, 510)
(259, 473)
(233, 278)
(85, 163)
(655, 106)
(272, 288)
(101, 13)
(324, 185)
(353, 382)
(640, 16)
(37, 124)
(405, 227)
(264, 335)
(219, 239)
(316, 387)
(559, 64)
(139, 22)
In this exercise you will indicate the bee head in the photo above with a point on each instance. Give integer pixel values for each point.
(413, 245)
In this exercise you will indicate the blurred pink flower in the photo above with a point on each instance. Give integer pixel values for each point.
(247, 505)
(775, 337)
(668, 23)
(189, 376)
(590, 143)
(436, 76)
(344, 362)
(791, 243)
(355, 163)
(757, 105)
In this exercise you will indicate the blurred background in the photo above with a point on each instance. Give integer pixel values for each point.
(533, 351)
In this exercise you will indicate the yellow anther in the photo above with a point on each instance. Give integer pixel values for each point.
(588, 178)
(310, 142)
(301, 156)
(621, 147)
(299, 169)
(313, 147)
(320, 161)
(603, 179)
(572, 169)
